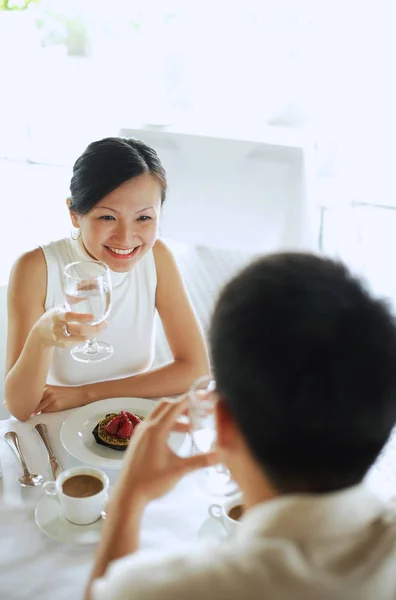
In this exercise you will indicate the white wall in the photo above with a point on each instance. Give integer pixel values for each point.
(246, 195)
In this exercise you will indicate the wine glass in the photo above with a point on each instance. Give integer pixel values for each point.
(87, 286)
(216, 480)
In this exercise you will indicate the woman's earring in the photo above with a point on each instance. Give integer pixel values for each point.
(75, 234)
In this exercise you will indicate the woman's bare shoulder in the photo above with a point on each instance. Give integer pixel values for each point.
(29, 273)
(161, 247)
(163, 255)
(30, 263)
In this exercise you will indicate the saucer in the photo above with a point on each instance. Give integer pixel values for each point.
(50, 520)
(212, 530)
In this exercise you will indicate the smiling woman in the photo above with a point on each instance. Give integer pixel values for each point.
(117, 190)
(124, 224)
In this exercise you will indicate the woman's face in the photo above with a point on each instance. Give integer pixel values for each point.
(124, 225)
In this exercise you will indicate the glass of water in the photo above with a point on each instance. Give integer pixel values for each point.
(87, 287)
(215, 480)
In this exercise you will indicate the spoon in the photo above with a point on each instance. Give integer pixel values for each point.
(27, 479)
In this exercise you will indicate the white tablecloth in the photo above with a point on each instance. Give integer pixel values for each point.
(33, 566)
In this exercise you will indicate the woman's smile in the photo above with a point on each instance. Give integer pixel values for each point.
(121, 253)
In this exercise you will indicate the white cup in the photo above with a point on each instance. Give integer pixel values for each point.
(81, 511)
(220, 513)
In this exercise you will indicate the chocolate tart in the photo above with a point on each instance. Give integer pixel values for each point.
(105, 439)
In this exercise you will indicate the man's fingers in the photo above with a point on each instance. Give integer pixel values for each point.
(181, 397)
(181, 427)
(200, 461)
(167, 418)
(163, 403)
(160, 407)
(183, 423)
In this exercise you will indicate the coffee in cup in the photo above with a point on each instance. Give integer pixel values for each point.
(81, 493)
(236, 512)
(82, 486)
(230, 513)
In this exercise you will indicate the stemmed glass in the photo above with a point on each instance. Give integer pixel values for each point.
(216, 480)
(87, 287)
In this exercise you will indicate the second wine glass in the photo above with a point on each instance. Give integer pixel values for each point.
(87, 286)
(216, 480)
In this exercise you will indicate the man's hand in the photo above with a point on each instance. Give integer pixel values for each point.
(151, 468)
(57, 398)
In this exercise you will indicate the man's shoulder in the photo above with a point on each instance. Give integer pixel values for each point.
(200, 571)
(247, 567)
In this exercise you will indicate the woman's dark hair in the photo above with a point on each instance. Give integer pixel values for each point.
(105, 165)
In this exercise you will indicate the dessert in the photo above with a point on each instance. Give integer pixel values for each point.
(116, 429)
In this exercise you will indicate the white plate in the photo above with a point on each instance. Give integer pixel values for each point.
(76, 432)
(50, 519)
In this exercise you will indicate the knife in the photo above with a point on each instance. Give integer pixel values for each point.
(42, 431)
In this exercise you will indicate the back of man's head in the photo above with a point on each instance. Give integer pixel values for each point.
(305, 359)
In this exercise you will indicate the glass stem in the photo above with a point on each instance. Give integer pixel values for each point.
(91, 346)
(221, 469)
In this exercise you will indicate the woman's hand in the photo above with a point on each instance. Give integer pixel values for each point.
(63, 329)
(57, 398)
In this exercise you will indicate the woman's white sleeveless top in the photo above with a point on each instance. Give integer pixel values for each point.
(131, 322)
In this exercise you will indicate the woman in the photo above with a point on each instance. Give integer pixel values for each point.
(117, 190)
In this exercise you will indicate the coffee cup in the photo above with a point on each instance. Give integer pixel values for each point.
(228, 513)
(81, 492)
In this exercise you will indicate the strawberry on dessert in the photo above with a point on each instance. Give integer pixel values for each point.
(113, 426)
(126, 428)
(134, 419)
(116, 430)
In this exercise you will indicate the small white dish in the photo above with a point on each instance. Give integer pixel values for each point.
(52, 522)
(76, 432)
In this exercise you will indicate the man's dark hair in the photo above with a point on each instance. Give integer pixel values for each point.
(305, 359)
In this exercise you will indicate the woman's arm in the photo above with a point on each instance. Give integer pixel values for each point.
(33, 334)
(184, 336)
(28, 359)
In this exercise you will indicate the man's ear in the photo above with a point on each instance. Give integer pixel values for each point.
(73, 216)
(227, 429)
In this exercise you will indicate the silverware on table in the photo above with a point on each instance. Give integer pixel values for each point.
(42, 431)
(27, 479)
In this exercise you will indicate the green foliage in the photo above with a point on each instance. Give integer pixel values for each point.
(16, 4)
(66, 24)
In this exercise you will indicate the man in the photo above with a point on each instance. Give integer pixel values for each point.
(305, 368)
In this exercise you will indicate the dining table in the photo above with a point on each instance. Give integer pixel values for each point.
(35, 566)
